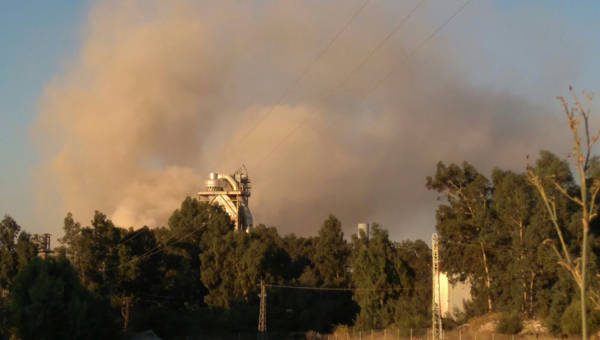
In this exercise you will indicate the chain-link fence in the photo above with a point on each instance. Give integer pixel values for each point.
(462, 333)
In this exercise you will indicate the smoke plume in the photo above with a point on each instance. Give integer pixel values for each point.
(160, 93)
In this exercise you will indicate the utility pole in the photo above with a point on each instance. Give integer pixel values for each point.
(262, 319)
(436, 312)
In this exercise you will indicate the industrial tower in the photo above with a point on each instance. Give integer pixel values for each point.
(436, 309)
(230, 192)
(42, 241)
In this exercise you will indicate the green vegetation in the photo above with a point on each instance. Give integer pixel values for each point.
(510, 323)
(197, 275)
(49, 302)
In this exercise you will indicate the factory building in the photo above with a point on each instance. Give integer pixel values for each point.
(231, 192)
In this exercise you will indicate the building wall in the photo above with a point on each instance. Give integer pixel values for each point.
(453, 296)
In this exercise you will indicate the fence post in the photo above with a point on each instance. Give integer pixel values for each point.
(385, 334)
(398, 333)
(371, 334)
(360, 335)
(492, 336)
(460, 335)
(411, 334)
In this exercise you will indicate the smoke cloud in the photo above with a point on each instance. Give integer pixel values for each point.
(161, 91)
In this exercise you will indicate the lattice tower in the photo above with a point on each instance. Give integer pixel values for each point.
(436, 312)
(262, 319)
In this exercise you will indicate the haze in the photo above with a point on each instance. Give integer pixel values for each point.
(150, 96)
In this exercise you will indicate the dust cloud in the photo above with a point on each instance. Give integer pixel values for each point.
(160, 92)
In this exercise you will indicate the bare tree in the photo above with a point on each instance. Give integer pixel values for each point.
(585, 199)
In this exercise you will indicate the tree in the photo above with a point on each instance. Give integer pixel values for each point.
(331, 253)
(585, 199)
(233, 263)
(26, 251)
(183, 237)
(379, 276)
(9, 230)
(521, 228)
(465, 225)
(47, 301)
(72, 241)
(300, 250)
(413, 308)
(99, 252)
(138, 273)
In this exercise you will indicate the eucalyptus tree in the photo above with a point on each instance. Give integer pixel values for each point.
(183, 241)
(465, 225)
(413, 308)
(520, 235)
(379, 276)
(25, 250)
(234, 263)
(72, 241)
(9, 231)
(331, 253)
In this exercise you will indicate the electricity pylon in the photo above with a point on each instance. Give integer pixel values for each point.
(436, 311)
(262, 319)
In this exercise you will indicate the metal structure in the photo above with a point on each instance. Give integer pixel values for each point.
(230, 192)
(366, 229)
(42, 241)
(436, 310)
(262, 319)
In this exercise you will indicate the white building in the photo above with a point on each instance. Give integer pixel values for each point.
(453, 296)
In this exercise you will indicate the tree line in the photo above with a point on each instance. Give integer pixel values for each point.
(197, 275)
(498, 235)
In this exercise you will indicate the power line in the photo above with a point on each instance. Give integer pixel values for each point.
(170, 237)
(338, 87)
(496, 248)
(341, 115)
(166, 246)
(136, 234)
(347, 289)
(293, 85)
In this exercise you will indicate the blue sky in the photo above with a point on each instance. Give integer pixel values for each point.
(36, 39)
(39, 38)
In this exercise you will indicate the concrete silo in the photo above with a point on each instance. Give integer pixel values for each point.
(365, 228)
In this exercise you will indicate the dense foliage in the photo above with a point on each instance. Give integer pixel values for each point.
(49, 302)
(197, 275)
(496, 235)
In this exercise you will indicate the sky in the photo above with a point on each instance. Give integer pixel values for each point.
(125, 107)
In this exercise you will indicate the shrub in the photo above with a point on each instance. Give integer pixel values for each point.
(571, 319)
(510, 323)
